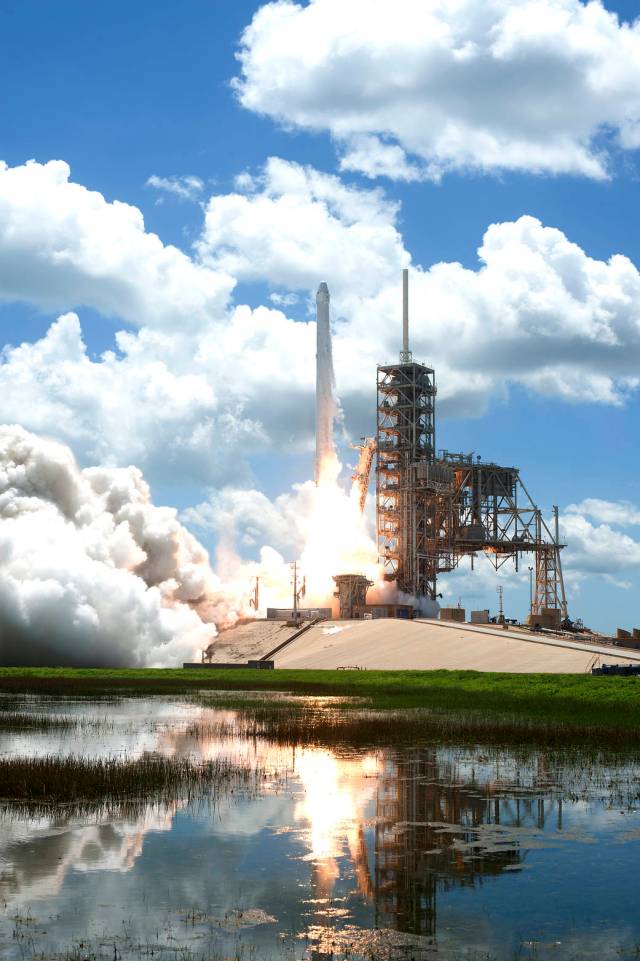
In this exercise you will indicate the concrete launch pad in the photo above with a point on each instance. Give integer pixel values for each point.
(389, 644)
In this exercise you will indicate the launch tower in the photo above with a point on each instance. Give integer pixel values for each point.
(432, 510)
(406, 450)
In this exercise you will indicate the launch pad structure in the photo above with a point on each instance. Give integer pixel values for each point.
(435, 508)
(351, 591)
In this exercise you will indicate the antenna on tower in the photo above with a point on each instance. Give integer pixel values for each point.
(405, 353)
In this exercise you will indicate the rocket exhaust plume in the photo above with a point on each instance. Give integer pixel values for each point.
(92, 573)
(326, 460)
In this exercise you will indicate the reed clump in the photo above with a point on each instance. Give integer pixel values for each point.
(16, 721)
(296, 726)
(54, 780)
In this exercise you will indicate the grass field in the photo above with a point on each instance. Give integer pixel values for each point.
(604, 706)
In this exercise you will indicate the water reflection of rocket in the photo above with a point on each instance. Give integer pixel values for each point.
(324, 385)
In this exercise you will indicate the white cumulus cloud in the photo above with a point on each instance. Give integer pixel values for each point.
(63, 246)
(537, 310)
(418, 87)
(201, 385)
(146, 404)
(186, 187)
(597, 548)
(300, 225)
(621, 513)
(249, 520)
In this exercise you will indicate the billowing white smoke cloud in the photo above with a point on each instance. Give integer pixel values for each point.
(320, 524)
(91, 572)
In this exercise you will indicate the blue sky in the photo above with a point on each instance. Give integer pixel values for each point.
(127, 91)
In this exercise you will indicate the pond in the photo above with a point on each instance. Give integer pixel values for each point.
(332, 849)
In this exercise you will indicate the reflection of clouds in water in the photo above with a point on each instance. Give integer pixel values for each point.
(37, 854)
(35, 862)
(318, 809)
(131, 728)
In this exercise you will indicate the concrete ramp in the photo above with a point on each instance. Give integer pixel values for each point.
(389, 644)
(250, 641)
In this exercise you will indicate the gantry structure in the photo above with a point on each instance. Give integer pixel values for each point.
(434, 508)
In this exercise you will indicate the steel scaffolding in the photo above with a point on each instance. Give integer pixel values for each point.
(405, 445)
(433, 511)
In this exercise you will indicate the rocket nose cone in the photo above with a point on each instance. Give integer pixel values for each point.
(323, 292)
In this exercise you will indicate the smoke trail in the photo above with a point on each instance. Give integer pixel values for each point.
(91, 572)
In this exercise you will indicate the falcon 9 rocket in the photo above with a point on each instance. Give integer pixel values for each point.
(325, 388)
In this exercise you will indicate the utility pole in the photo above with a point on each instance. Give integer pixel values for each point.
(254, 602)
(295, 590)
(298, 593)
(531, 591)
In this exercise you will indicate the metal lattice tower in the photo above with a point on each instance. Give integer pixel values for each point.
(405, 443)
(432, 511)
(549, 592)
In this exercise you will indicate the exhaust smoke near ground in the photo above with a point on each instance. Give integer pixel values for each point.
(334, 536)
(93, 573)
(332, 531)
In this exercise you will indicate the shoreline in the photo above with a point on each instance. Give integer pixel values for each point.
(571, 705)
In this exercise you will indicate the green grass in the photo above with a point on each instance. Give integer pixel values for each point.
(600, 705)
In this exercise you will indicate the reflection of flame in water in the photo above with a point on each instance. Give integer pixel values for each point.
(336, 791)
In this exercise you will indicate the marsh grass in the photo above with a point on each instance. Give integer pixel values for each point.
(597, 707)
(16, 721)
(52, 780)
(294, 725)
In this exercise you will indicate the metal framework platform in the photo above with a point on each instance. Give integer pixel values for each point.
(433, 510)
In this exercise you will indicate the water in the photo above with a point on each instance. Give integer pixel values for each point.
(416, 851)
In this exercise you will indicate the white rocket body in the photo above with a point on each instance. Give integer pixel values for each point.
(325, 388)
